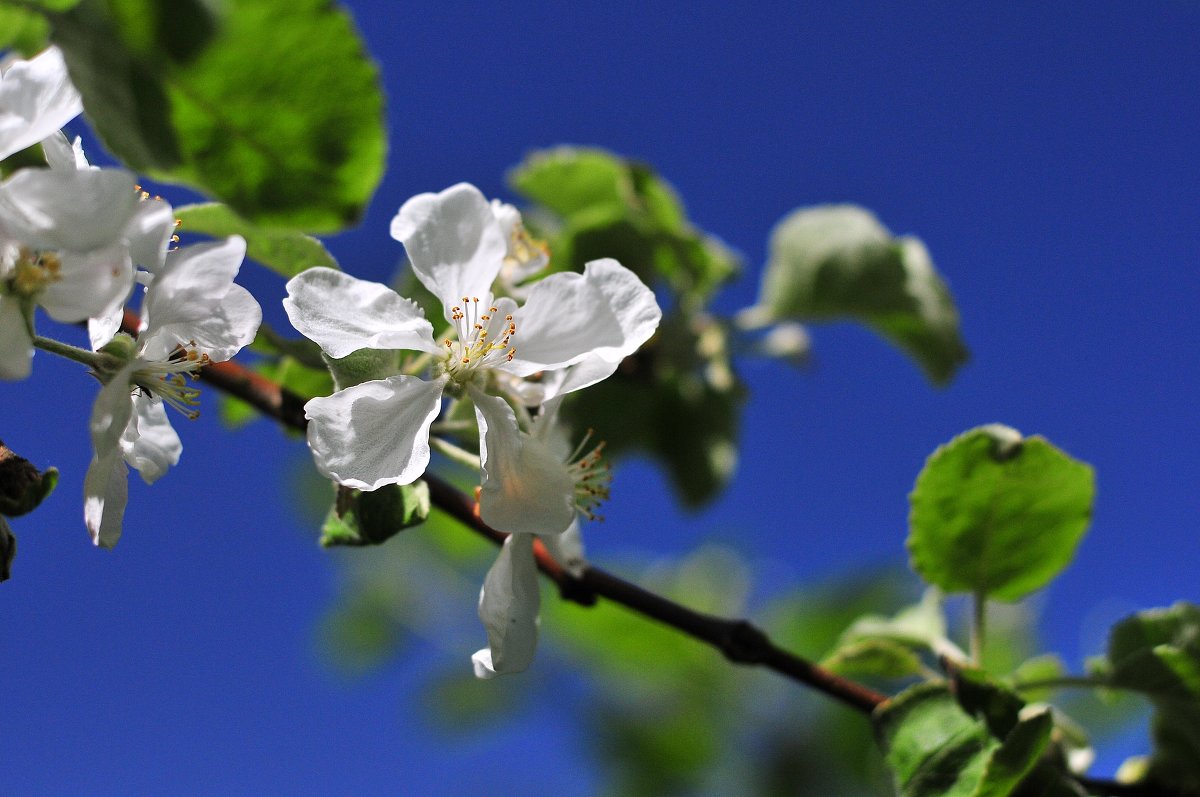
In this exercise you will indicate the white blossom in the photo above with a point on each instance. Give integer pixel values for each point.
(36, 99)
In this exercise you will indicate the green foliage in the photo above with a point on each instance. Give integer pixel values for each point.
(937, 747)
(362, 634)
(22, 30)
(283, 251)
(889, 647)
(838, 261)
(997, 515)
(1157, 653)
(373, 517)
(231, 98)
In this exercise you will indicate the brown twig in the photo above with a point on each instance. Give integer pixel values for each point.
(739, 640)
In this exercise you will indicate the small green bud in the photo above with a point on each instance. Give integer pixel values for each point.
(122, 346)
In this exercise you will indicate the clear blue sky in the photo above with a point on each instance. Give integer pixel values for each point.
(1046, 153)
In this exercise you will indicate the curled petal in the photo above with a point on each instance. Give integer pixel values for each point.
(454, 242)
(508, 607)
(343, 314)
(36, 99)
(63, 154)
(374, 433)
(16, 347)
(599, 316)
(149, 232)
(149, 443)
(526, 488)
(78, 211)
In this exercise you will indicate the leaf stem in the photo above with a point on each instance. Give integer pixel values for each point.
(453, 452)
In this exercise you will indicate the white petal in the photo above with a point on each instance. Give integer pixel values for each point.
(79, 210)
(36, 99)
(193, 282)
(16, 348)
(375, 433)
(454, 242)
(508, 607)
(603, 314)
(344, 314)
(105, 494)
(567, 549)
(150, 444)
(104, 487)
(90, 285)
(102, 327)
(231, 325)
(149, 232)
(526, 488)
(63, 154)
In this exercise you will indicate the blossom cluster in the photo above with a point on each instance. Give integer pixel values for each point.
(78, 241)
(510, 343)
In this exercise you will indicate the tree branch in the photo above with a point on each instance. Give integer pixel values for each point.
(739, 640)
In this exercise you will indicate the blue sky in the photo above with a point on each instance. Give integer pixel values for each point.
(1047, 157)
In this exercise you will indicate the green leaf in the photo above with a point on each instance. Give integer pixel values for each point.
(232, 98)
(289, 373)
(937, 750)
(283, 251)
(568, 180)
(997, 515)
(879, 658)
(53, 5)
(363, 365)
(922, 625)
(22, 30)
(1039, 668)
(1157, 652)
(371, 518)
(837, 261)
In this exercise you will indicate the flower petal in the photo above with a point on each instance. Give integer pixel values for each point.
(526, 488)
(374, 433)
(16, 348)
(508, 607)
(63, 154)
(36, 99)
(232, 324)
(149, 232)
(567, 549)
(105, 490)
(90, 284)
(150, 444)
(192, 283)
(454, 242)
(79, 211)
(601, 315)
(344, 314)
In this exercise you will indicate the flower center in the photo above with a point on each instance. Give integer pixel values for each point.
(483, 342)
(166, 380)
(33, 271)
(592, 477)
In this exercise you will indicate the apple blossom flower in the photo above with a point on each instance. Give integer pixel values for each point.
(573, 328)
(192, 314)
(36, 99)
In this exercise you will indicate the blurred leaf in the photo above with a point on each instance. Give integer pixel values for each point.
(283, 251)
(225, 97)
(373, 517)
(52, 5)
(982, 697)
(288, 373)
(997, 515)
(879, 658)
(458, 702)
(362, 633)
(1157, 652)
(22, 486)
(364, 365)
(1039, 668)
(611, 207)
(838, 261)
(920, 625)
(22, 30)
